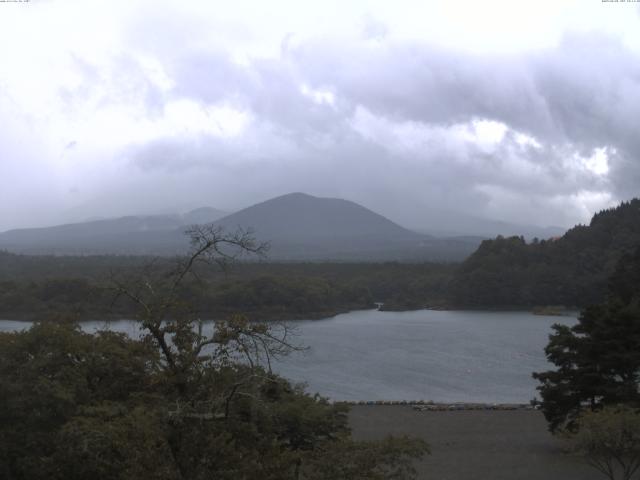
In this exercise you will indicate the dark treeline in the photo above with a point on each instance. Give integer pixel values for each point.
(33, 287)
(39, 267)
(571, 270)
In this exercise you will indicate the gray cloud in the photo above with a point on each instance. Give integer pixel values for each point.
(573, 99)
(582, 95)
(413, 130)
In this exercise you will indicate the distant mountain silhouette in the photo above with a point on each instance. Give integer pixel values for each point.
(448, 224)
(113, 235)
(300, 216)
(298, 227)
(202, 215)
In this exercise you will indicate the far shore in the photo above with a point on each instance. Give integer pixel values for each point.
(271, 316)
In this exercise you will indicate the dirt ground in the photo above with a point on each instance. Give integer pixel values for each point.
(483, 445)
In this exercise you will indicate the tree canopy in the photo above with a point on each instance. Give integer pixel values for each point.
(597, 359)
(610, 441)
(571, 270)
(179, 402)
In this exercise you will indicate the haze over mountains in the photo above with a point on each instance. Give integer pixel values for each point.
(115, 235)
(298, 227)
(449, 224)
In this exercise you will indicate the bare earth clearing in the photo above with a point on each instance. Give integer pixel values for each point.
(468, 445)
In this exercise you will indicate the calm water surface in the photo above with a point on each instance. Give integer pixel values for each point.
(446, 356)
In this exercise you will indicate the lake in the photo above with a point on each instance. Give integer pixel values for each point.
(444, 356)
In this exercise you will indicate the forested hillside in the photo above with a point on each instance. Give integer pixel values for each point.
(571, 270)
(50, 286)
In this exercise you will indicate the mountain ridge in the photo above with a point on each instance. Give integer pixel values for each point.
(299, 226)
(97, 233)
(335, 216)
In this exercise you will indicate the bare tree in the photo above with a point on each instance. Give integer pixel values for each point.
(176, 328)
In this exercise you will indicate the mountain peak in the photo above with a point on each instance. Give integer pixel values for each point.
(295, 195)
(299, 215)
(298, 226)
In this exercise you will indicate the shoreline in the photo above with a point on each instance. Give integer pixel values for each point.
(430, 406)
(273, 316)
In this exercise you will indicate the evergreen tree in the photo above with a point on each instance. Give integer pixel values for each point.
(598, 359)
(571, 270)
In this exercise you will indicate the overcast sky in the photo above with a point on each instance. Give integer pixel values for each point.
(522, 111)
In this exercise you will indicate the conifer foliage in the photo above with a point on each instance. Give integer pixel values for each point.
(597, 359)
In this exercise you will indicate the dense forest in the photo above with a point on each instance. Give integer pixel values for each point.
(50, 286)
(571, 270)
